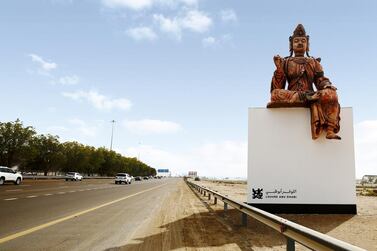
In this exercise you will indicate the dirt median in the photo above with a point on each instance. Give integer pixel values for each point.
(359, 230)
(188, 221)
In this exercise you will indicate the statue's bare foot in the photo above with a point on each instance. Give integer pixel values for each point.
(332, 135)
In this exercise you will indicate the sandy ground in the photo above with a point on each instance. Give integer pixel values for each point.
(359, 230)
(186, 221)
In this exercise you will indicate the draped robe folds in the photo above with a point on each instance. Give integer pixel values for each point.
(301, 73)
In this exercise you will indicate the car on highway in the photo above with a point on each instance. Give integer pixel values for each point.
(8, 175)
(73, 176)
(123, 178)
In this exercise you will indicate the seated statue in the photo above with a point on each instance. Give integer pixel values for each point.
(301, 72)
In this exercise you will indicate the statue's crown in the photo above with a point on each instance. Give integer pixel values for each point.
(299, 31)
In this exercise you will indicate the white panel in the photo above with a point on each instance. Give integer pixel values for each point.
(284, 160)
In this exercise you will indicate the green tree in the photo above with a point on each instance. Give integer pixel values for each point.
(47, 154)
(14, 142)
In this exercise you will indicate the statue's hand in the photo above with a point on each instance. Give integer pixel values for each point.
(330, 87)
(278, 62)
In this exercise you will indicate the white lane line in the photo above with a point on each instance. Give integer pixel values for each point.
(11, 199)
(61, 193)
(48, 224)
(71, 191)
(13, 190)
(48, 194)
(31, 196)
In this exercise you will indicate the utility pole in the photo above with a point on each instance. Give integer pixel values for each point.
(112, 134)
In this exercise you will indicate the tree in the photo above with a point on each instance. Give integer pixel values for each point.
(47, 154)
(14, 142)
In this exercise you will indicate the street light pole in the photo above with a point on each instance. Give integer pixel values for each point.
(112, 134)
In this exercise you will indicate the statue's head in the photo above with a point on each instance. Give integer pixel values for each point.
(299, 41)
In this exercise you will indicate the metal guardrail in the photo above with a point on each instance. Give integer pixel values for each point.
(53, 177)
(292, 231)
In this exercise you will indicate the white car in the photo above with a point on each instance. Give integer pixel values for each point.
(7, 174)
(123, 178)
(73, 176)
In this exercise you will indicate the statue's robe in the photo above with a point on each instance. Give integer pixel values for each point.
(301, 73)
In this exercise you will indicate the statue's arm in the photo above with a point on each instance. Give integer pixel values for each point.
(278, 79)
(321, 82)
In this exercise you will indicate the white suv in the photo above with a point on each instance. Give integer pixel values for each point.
(123, 178)
(73, 176)
(7, 174)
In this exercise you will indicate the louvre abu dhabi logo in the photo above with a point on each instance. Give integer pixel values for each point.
(258, 193)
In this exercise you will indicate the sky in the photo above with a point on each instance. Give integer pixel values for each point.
(177, 76)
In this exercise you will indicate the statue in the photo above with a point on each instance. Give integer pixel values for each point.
(302, 72)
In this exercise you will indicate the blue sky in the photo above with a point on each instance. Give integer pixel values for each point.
(176, 75)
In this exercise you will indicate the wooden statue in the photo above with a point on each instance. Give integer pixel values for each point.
(301, 72)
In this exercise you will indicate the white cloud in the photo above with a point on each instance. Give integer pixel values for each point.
(209, 41)
(138, 5)
(99, 101)
(150, 126)
(168, 25)
(219, 159)
(131, 4)
(194, 20)
(69, 80)
(142, 33)
(213, 42)
(44, 65)
(366, 147)
(228, 16)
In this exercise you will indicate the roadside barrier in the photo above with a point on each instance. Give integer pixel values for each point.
(292, 231)
(52, 177)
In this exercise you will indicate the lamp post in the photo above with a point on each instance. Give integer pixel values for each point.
(112, 134)
(138, 154)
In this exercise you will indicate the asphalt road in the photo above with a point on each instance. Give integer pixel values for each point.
(87, 215)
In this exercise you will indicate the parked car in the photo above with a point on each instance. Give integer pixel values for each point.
(145, 177)
(123, 178)
(138, 178)
(73, 176)
(7, 174)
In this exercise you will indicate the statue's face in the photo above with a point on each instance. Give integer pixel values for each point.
(300, 44)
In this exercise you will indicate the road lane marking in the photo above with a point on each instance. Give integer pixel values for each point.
(48, 194)
(48, 224)
(61, 193)
(31, 196)
(71, 191)
(13, 190)
(11, 199)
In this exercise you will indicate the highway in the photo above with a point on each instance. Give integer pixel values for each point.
(86, 215)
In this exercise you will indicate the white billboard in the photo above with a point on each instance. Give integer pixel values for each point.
(286, 167)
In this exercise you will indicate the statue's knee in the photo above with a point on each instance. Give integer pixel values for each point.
(329, 95)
